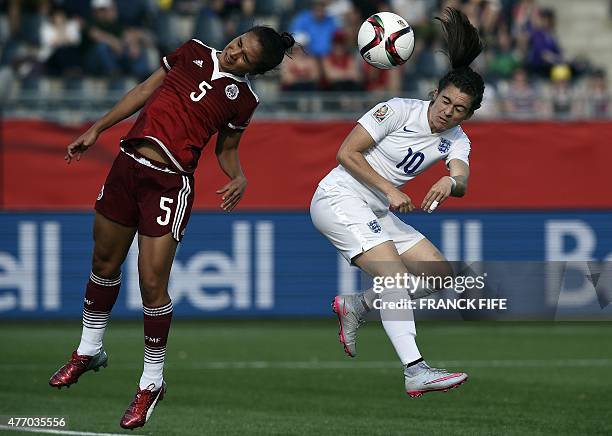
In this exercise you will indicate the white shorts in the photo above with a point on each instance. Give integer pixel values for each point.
(353, 228)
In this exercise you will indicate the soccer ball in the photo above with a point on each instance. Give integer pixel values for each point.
(385, 40)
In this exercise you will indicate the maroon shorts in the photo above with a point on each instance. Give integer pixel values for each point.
(146, 194)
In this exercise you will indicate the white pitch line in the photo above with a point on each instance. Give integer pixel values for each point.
(325, 365)
(53, 431)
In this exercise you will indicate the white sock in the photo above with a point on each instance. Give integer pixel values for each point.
(152, 375)
(91, 341)
(399, 325)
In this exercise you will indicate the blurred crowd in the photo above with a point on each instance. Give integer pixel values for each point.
(523, 64)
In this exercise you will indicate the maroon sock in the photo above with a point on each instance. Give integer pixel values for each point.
(156, 327)
(100, 297)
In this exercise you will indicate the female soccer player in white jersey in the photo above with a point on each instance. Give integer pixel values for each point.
(391, 144)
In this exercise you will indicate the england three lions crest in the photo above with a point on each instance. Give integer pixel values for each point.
(374, 226)
(444, 145)
(231, 91)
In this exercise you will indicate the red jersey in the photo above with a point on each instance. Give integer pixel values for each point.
(194, 102)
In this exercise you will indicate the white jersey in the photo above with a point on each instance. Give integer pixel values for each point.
(405, 147)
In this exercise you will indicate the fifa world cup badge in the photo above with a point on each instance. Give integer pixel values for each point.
(382, 113)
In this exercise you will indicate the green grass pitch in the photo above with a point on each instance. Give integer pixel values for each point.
(292, 378)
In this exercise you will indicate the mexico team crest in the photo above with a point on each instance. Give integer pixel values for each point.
(382, 113)
(444, 145)
(231, 91)
(374, 226)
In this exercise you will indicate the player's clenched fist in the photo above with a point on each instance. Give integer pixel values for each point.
(80, 145)
(399, 201)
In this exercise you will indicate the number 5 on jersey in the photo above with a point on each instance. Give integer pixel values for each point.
(164, 220)
(204, 86)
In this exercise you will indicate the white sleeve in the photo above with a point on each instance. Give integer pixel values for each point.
(383, 119)
(460, 149)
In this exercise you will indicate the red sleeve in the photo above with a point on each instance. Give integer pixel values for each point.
(168, 61)
(241, 121)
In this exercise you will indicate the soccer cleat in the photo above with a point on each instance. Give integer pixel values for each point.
(141, 408)
(76, 366)
(350, 318)
(420, 378)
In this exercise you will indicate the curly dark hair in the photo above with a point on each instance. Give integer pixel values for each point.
(463, 46)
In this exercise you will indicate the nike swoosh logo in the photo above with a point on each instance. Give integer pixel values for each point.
(409, 131)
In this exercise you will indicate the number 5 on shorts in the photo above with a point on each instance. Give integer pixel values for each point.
(162, 205)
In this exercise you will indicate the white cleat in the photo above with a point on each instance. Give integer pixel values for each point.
(420, 378)
(350, 318)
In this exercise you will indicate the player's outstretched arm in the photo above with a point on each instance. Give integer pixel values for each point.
(445, 187)
(129, 104)
(227, 154)
(350, 156)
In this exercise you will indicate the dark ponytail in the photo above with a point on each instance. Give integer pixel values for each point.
(463, 45)
(274, 47)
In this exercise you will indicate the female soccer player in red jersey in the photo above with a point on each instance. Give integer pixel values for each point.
(197, 92)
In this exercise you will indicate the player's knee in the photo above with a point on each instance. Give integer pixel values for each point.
(446, 271)
(152, 288)
(442, 270)
(103, 265)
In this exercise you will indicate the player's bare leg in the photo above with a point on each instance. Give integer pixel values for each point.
(111, 244)
(154, 264)
(422, 258)
(383, 261)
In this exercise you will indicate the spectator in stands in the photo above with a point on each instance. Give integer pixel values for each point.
(60, 40)
(134, 13)
(209, 25)
(112, 49)
(340, 67)
(386, 82)
(24, 20)
(301, 72)
(416, 12)
(104, 45)
(544, 50)
(135, 61)
(503, 58)
(242, 19)
(561, 94)
(521, 99)
(173, 22)
(317, 26)
(598, 99)
(525, 15)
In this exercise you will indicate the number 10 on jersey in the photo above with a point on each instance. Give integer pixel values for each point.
(412, 161)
